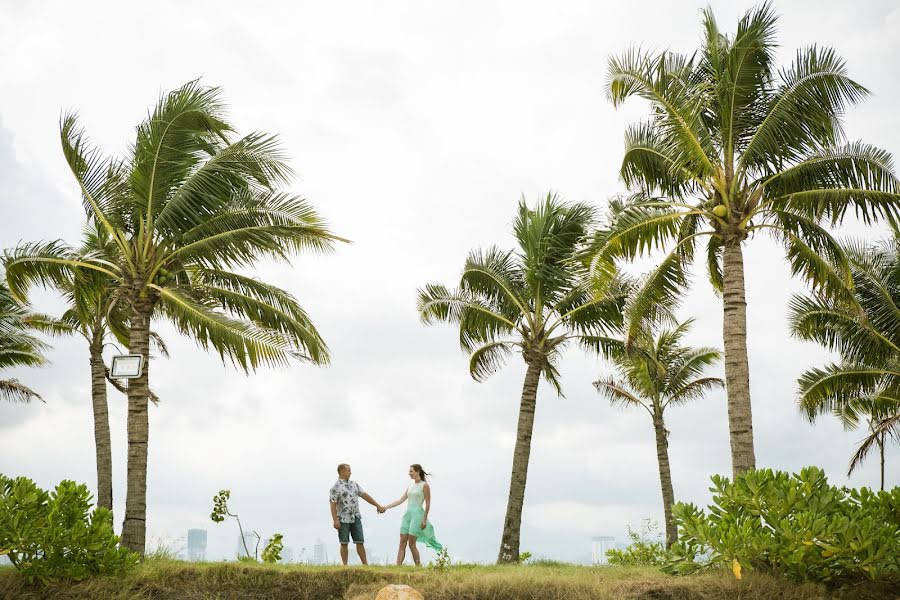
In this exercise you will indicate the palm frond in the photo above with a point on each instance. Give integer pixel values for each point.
(665, 81)
(13, 391)
(494, 276)
(48, 264)
(185, 128)
(618, 393)
(245, 344)
(804, 112)
(254, 161)
(265, 305)
(261, 225)
(478, 323)
(714, 266)
(839, 328)
(739, 71)
(488, 359)
(831, 388)
(101, 179)
(650, 164)
(830, 182)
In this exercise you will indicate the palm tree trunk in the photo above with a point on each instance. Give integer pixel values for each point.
(737, 369)
(881, 451)
(665, 478)
(134, 528)
(512, 524)
(102, 443)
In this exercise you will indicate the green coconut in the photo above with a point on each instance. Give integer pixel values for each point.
(720, 210)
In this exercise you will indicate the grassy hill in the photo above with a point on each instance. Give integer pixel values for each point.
(170, 580)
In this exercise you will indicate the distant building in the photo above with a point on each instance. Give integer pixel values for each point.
(196, 545)
(320, 556)
(599, 545)
(251, 540)
(287, 554)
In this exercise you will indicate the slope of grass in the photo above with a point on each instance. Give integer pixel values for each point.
(170, 580)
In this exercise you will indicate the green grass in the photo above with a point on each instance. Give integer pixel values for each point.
(171, 580)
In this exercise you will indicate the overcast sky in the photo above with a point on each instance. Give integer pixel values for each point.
(415, 128)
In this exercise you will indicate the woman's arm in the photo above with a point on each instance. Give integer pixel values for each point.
(427, 490)
(396, 502)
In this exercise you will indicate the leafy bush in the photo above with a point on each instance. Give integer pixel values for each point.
(272, 552)
(796, 525)
(646, 548)
(50, 536)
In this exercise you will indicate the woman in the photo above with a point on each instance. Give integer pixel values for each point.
(415, 527)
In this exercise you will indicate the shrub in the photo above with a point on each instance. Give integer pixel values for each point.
(645, 550)
(796, 525)
(272, 552)
(54, 535)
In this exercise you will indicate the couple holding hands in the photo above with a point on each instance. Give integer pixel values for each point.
(414, 527)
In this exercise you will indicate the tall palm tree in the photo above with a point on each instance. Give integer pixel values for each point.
(533, 300)
(863, 326)
(95, 312)
(18, 346)
(732, 148)
(187, 207)
(655, 373)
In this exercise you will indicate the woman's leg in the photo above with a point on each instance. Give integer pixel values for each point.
(413, 550)
(401, 551)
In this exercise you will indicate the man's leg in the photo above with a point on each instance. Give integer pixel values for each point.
(344, 539)
(356, 531)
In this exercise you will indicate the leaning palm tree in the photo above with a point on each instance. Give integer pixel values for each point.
(187, 208)
(863, 326)
(733, 148)
(18, 346)
(655, 373)
(532, 301)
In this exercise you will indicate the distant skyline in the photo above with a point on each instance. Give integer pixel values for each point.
(414, 129)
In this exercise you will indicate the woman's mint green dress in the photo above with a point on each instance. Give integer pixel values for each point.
(412, 518)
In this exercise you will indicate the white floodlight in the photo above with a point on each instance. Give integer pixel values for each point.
(127, 366)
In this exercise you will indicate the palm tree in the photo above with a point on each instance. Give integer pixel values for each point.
(186, 208)
(654, 374)
(863, 326)
(18, 346)
(532, 300)
(95, 312)
(733, 148)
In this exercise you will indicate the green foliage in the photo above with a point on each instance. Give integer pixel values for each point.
(54, 535)
(524, 557)
(220, 506)
(18, 346)
(864, 328)
(442, 560)
(272, 552)
(796, 525)
(645, 550)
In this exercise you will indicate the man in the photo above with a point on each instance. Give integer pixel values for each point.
(344, 498)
